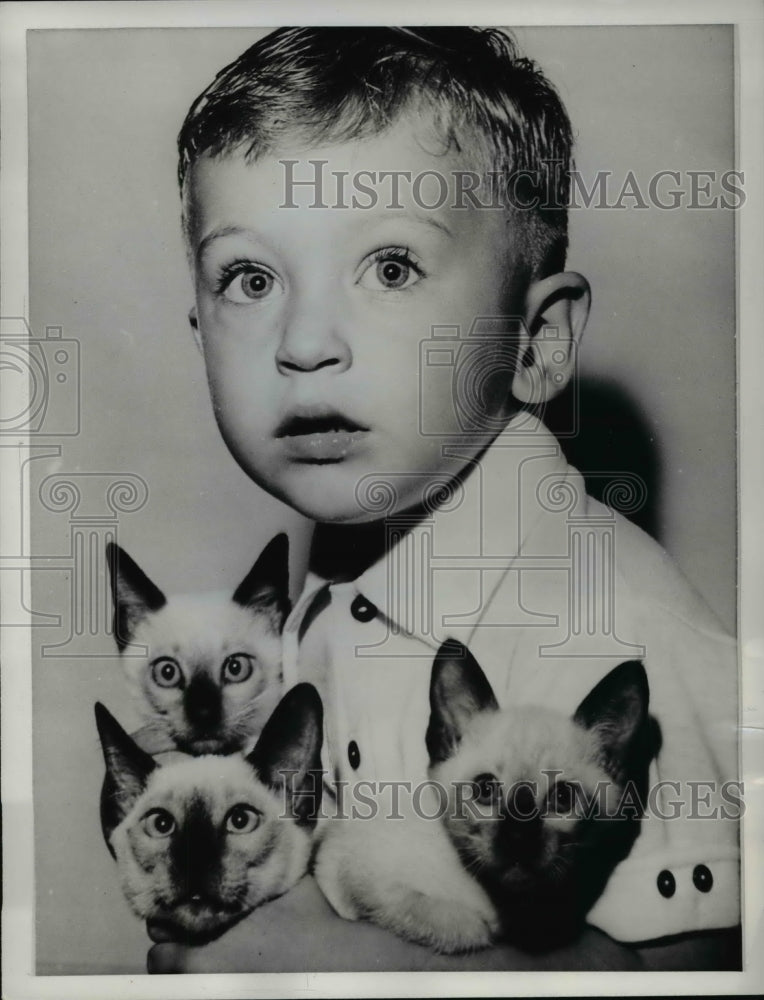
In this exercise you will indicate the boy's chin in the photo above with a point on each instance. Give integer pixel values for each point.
(348, 493)
(334, 504)
(327, 510)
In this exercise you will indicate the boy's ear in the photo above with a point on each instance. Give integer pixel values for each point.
(193, 321)
(557, 308)
(458, 690)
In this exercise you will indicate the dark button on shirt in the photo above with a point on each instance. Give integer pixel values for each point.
(702, 878)
(666, 884)
(362, 610)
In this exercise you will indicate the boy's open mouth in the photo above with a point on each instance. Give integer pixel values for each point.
(317, 437)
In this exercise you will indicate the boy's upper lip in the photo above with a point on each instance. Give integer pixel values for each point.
(316, 419)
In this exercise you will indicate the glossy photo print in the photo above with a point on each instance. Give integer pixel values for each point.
(375, 423)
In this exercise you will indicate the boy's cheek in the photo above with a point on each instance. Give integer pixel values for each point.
(232, 346)
(213, 318)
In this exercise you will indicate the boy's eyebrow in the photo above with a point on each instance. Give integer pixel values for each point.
(217, 234)
(222, 231)
(430, 220)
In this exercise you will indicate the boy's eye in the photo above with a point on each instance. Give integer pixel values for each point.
(237, 668)
(242, 819)
(393, 273)
(243, 282)
(390, 269)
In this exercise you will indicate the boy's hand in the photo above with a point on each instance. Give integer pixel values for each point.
(300, 932)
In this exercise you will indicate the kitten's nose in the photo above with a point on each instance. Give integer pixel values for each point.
(203, 703)
(521, 803)
(519, 833)
(195, 853)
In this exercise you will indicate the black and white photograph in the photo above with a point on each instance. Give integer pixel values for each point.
(381, 560)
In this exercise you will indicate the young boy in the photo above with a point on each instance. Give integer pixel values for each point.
(376, 220)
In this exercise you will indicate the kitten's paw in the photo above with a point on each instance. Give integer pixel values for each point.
(441, 924)
(336, 882)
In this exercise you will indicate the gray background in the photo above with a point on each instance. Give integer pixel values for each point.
(107, 265)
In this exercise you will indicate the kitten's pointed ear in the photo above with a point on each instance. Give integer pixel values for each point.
(266, 586)
(288, 754)
(127, 770)
(458, 690)
(134, 595)
(616, 709)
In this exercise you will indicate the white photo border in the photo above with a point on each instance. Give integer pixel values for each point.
(18, 911)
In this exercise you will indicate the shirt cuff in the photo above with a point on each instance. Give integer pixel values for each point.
(644, 902)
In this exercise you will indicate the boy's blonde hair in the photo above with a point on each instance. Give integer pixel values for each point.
(340, 84)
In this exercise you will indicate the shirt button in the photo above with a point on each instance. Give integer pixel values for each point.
(666, 884)
(354, 755)
(702, 878)
(362, 610)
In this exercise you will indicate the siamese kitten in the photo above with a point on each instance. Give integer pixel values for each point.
(510, 856)
(554, 802)
(201, 842)
(211, 675)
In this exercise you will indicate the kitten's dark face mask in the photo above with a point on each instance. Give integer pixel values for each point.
(541, 808)
(205, 669)
(201, 842)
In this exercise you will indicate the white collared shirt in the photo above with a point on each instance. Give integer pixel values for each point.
(550, 590)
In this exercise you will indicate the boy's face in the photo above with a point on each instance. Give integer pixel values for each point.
(311, 319)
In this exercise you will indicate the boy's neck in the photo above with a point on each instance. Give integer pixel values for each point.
(341, 552)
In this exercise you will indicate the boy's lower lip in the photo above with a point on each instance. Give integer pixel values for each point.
(320, 447)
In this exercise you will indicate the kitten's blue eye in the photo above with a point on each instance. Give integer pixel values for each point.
(166, 672)
(563, 796)
(159, 823)
(237, 668)
(242, 819)
(487, 788)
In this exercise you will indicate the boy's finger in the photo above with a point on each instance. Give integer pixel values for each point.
(164, 959)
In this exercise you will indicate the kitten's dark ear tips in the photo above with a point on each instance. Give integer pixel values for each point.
(458, 690)
(616, 709)
(133, 594)
(266, 586)
(127, 770)
(288, 753)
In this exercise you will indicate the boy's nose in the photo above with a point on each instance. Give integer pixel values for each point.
(312, 341)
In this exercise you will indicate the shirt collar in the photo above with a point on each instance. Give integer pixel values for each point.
(505, 462)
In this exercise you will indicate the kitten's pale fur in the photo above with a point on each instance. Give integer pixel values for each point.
(211, 675)
(557, 800)
(201, 842)
(404, 875)
(535, 876)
